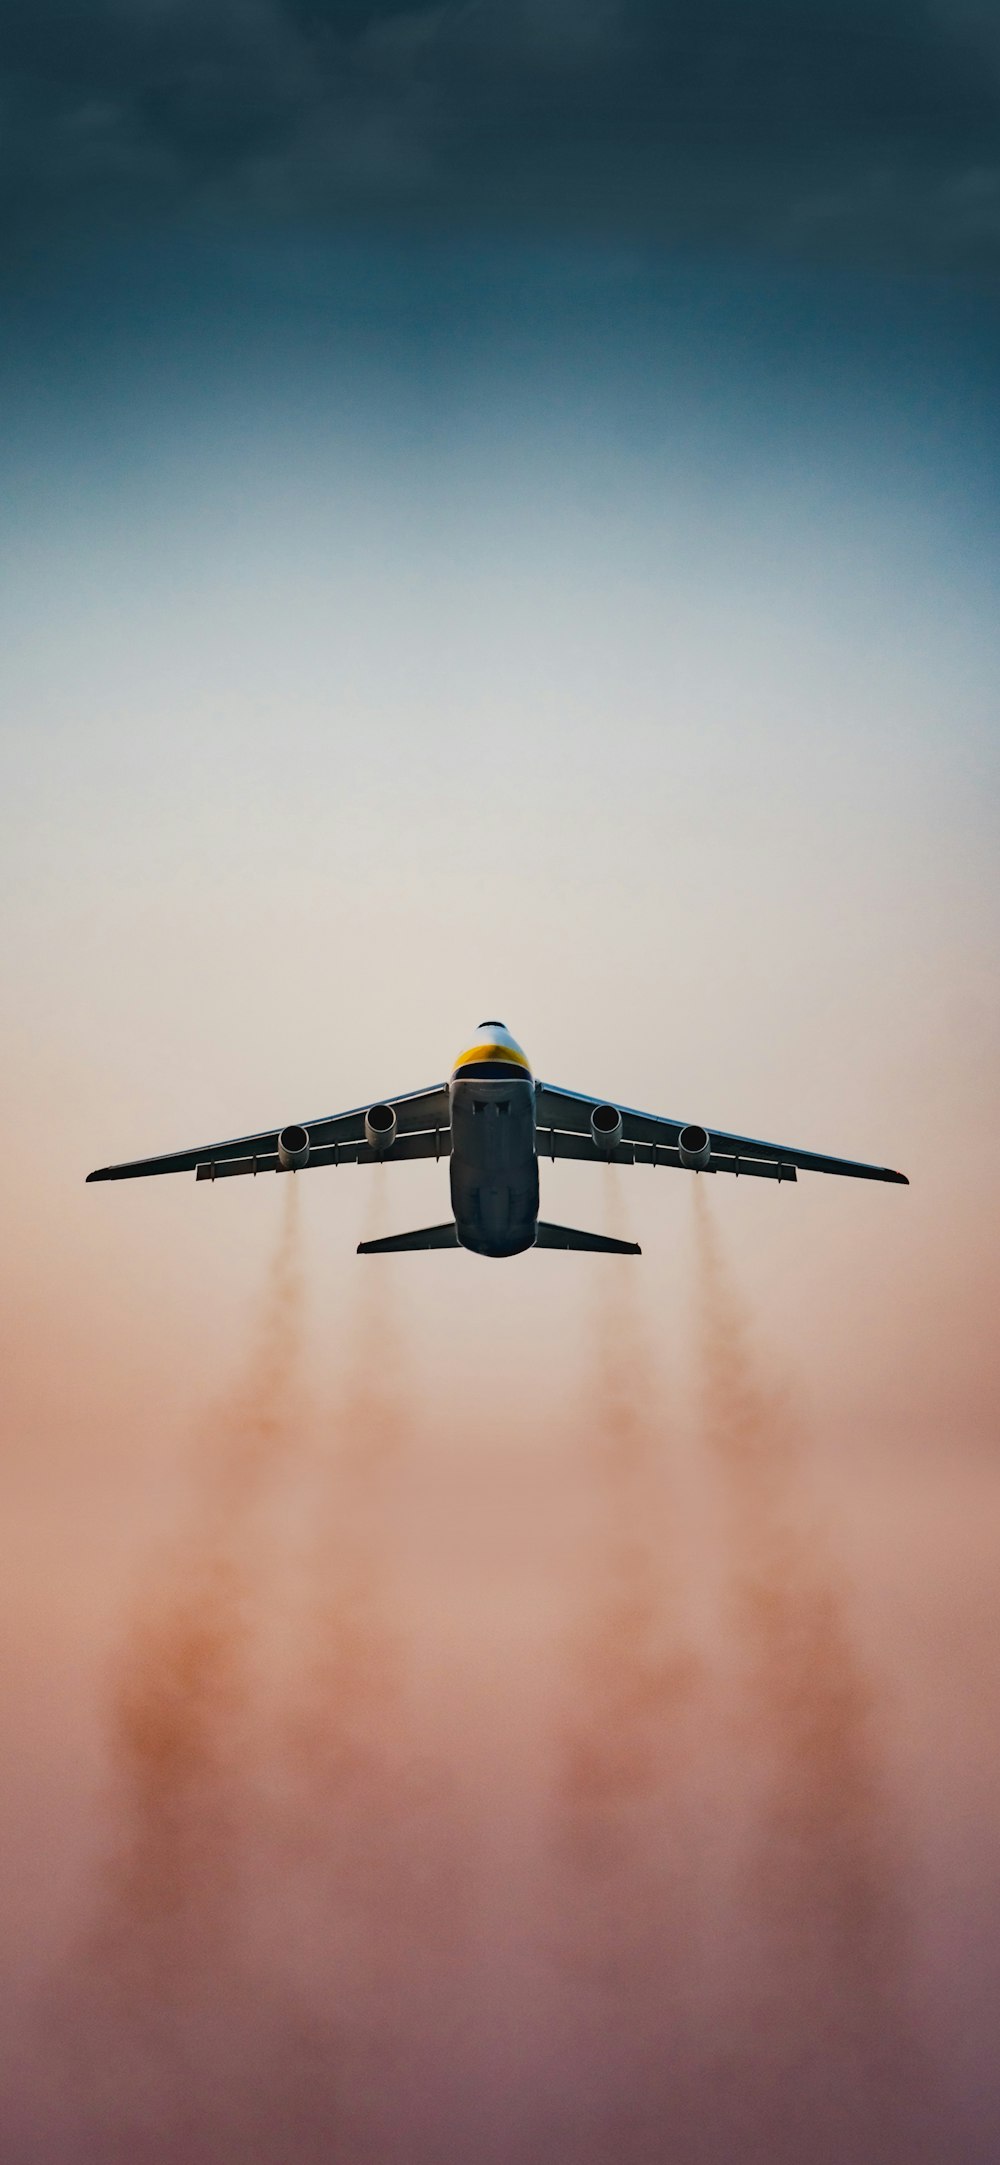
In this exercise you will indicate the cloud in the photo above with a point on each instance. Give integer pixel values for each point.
(865, 133)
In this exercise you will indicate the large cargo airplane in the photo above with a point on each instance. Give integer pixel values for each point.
(493, 1121)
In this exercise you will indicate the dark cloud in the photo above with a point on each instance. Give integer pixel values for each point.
(864, 132)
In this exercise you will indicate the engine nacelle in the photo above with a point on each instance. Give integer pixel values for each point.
(380, 1128)
(293, 1148)
(694, 1147)
(606, 1128)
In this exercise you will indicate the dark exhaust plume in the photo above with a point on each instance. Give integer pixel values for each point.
(623, 1854)
(181, 1704)
(824, 2061)
(180, 2037)
(367, 1824)
(268, 1976)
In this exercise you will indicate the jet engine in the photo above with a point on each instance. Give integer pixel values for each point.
(694, 1147)
(380, 1128)
(606, 1128)
(293, 1148)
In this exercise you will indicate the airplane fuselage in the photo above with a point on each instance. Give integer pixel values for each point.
(494, 1167)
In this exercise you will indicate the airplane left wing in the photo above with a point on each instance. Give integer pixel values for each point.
(563, 1119)
(422, 1129)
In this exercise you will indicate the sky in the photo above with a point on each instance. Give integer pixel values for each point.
(498, 513)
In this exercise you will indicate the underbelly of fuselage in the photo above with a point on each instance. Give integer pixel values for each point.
(494, 1167)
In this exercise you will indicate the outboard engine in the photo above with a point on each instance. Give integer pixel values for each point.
(293, 1148)
(606, 1128)
(380, 1128)
(694, 1147)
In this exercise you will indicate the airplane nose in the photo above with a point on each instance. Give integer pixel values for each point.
(493, 1055)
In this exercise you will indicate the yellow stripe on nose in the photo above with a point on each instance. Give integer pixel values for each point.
(487, 1050)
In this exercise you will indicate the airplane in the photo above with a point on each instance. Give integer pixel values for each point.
(494, 1122)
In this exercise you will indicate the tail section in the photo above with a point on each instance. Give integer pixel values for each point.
(566, 1236)
(427, 1236)
(547, 1236)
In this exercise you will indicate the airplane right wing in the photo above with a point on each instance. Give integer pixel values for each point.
(563, 1121)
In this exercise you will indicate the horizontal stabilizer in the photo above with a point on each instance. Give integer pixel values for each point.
(426, 1236)
(566, 1236)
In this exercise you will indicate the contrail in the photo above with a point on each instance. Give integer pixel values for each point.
(623, 1841)
(367, 1820)
(178, 2008)
(351, 1664)
(284, 1896)
(833, 2071)
(285, 1932)
(181, 1706)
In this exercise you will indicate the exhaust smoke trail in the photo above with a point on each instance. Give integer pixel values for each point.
(181, 1705)
(351, 1664)
(272, 1962)
(183, 2030)
(366, 1821)
(623, 1857)
(284, 1968)
(827, 2065)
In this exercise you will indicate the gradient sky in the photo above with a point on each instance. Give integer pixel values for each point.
(498, 512)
